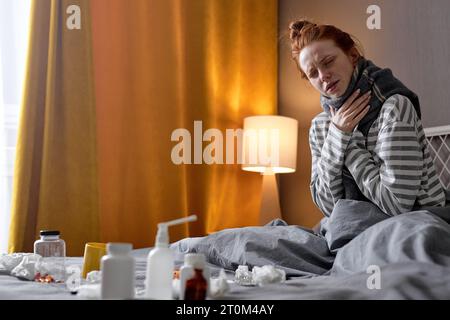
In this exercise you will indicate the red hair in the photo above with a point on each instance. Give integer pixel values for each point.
(303, 32)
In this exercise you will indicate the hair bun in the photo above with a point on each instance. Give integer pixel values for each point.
(296, 27)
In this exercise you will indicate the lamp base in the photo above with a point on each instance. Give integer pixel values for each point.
(270, 202)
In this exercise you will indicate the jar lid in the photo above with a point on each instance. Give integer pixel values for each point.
(49, 233)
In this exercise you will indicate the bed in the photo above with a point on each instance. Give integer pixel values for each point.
(409, 253)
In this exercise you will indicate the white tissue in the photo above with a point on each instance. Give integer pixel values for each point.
(268, 274)
(26, 268)
(9, 261)
(259, 275)
(219, 286)
(243, 276)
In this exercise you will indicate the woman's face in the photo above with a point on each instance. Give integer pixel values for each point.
(327, 67)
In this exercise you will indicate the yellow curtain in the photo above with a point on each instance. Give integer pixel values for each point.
(55, 181)
(158, 65)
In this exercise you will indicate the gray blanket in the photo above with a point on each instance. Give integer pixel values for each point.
(412, 251)
(295, 249)
(356, 236)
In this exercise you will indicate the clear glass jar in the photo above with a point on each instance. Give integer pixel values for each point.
(50, 245)
(51, 267)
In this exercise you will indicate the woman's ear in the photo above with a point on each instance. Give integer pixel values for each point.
(354, 56)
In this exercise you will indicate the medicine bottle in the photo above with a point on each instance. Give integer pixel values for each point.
(160, 263)
(118, 272)
(51, 266)
(50, 245)
(194, 278)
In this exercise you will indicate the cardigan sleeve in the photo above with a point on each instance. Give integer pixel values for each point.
(327, 150)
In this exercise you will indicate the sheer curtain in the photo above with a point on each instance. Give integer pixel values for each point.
(14, 23)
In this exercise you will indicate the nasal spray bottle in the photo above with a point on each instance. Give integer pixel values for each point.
(160, 263)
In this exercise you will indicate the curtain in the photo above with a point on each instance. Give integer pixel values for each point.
(55, 180)
(158, 65)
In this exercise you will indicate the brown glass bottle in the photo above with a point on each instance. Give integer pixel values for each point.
(196, 287)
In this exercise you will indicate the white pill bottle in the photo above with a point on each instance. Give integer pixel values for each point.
(118, 272)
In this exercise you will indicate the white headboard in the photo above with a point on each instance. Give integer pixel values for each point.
(439, 146)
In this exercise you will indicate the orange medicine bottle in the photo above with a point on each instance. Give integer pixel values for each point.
(196, 287)
(194, 277)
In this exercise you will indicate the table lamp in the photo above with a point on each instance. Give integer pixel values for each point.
(269, 147)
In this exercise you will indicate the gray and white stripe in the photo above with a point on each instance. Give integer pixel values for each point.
(392, 167)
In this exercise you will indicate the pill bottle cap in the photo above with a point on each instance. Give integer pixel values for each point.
(195, 260)
(49, 233)
(118, 248)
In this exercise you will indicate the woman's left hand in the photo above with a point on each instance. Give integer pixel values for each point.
(352, 111)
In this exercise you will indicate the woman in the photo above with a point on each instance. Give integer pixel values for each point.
(369, 143)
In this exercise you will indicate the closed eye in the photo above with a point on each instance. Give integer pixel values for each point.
(329, 62)
(312, 74)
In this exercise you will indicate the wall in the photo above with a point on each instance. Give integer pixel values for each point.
(413, 42)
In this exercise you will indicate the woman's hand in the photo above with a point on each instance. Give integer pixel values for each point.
(352, 111)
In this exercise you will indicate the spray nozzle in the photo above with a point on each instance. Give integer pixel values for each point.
(162, 237)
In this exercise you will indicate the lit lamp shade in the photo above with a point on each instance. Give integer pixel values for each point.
(269, 144)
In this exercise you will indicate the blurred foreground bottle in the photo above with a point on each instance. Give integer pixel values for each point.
(194, 277)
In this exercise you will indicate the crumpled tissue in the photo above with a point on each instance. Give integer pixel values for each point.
(243, 276)
(268, 274)
(9, 261)
(21, 265)
(26, 268)
(219, 286)
(259, 275)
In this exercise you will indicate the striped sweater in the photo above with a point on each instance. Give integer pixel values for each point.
(392, 167)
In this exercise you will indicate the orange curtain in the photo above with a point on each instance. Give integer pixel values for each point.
(55, 181)
(159, 65)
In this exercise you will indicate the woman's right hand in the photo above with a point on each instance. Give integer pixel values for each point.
(351, 112)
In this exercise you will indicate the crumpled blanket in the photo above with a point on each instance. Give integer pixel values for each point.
(356, 235)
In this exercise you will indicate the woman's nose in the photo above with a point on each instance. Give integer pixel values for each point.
(324, 76)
